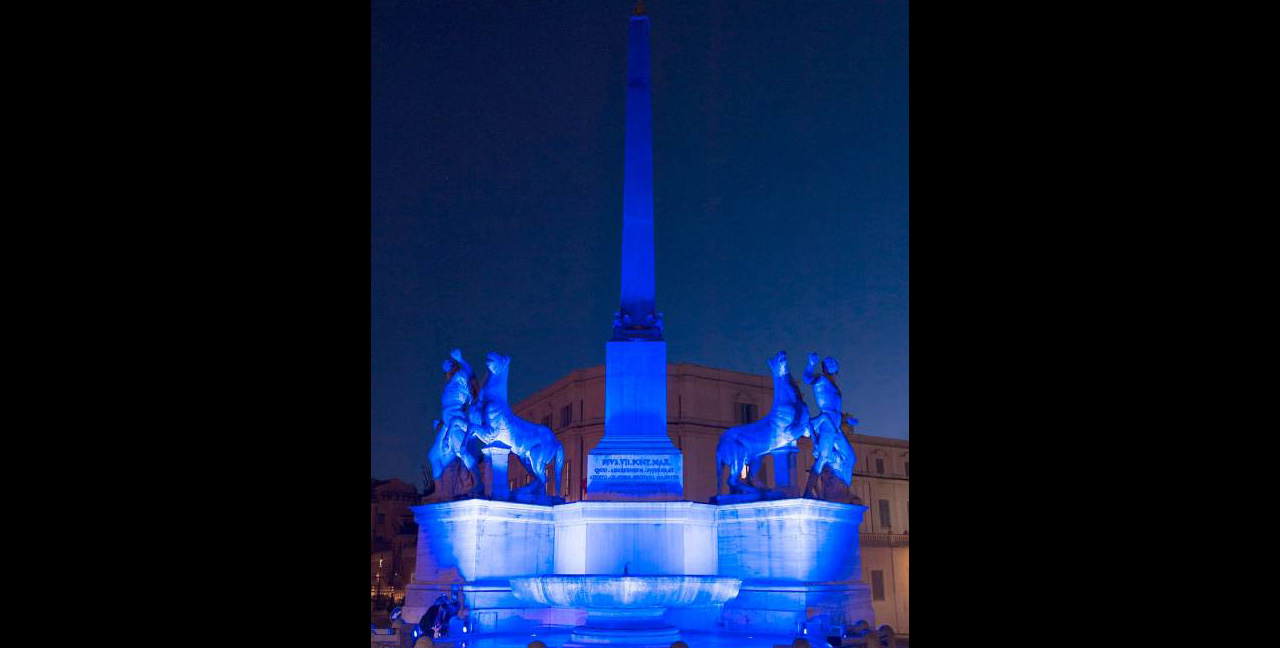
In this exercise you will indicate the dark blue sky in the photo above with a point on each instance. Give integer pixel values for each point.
(782, 139)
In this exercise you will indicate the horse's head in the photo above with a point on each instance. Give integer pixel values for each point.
(450, 368)
(779, 365)
(498, 364)
(831, 366)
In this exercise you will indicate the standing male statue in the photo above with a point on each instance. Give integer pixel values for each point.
(831, 449)
(453, 439)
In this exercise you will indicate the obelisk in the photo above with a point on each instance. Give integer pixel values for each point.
(636, 459)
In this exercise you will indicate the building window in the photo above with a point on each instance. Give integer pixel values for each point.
(566, 416)
(382, 519)
(885, 522)
(746, 413)
(546, 420)
(879, 466)
(907, 468)
(877, 585)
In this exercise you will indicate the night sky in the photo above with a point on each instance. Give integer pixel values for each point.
(782, 140)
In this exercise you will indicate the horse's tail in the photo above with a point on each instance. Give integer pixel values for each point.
(559, 467)
(431, 469)
(428, 481)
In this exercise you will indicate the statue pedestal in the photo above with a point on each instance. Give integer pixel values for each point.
(480, 544)
(498, 462)
(797, 559)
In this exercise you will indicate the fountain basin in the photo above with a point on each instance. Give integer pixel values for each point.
(625, 592)
(625, 609)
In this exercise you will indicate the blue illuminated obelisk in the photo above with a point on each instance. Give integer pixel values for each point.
(636, 459)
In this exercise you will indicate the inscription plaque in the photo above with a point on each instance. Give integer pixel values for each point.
(635, 474)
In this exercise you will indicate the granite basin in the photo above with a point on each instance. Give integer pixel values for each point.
(625, 610)
(625, 592)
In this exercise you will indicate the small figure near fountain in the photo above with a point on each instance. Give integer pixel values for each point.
(831, 448)
(435, 623)
(743, 449)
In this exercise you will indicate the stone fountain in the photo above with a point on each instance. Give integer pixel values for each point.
(634, 564)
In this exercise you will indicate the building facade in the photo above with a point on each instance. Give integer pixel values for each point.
(702, 403)
(393, 537)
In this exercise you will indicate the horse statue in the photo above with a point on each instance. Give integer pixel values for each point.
(453, 440)
(744, 448)
(831, 449)
(494, 424)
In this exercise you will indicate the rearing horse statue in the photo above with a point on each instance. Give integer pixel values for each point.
(744, 448)
(493, 423)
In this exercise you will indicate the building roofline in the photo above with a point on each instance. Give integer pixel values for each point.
(879, 440)
(593, 373)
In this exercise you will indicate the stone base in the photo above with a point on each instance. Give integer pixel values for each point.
(747, 498)
(477, 544)
(630, 627)
(493, 609)
(615, 497)
(701, 619)
(797, 540)
(536, 499)
(656, 637)
(800, 563)
(786, 607)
